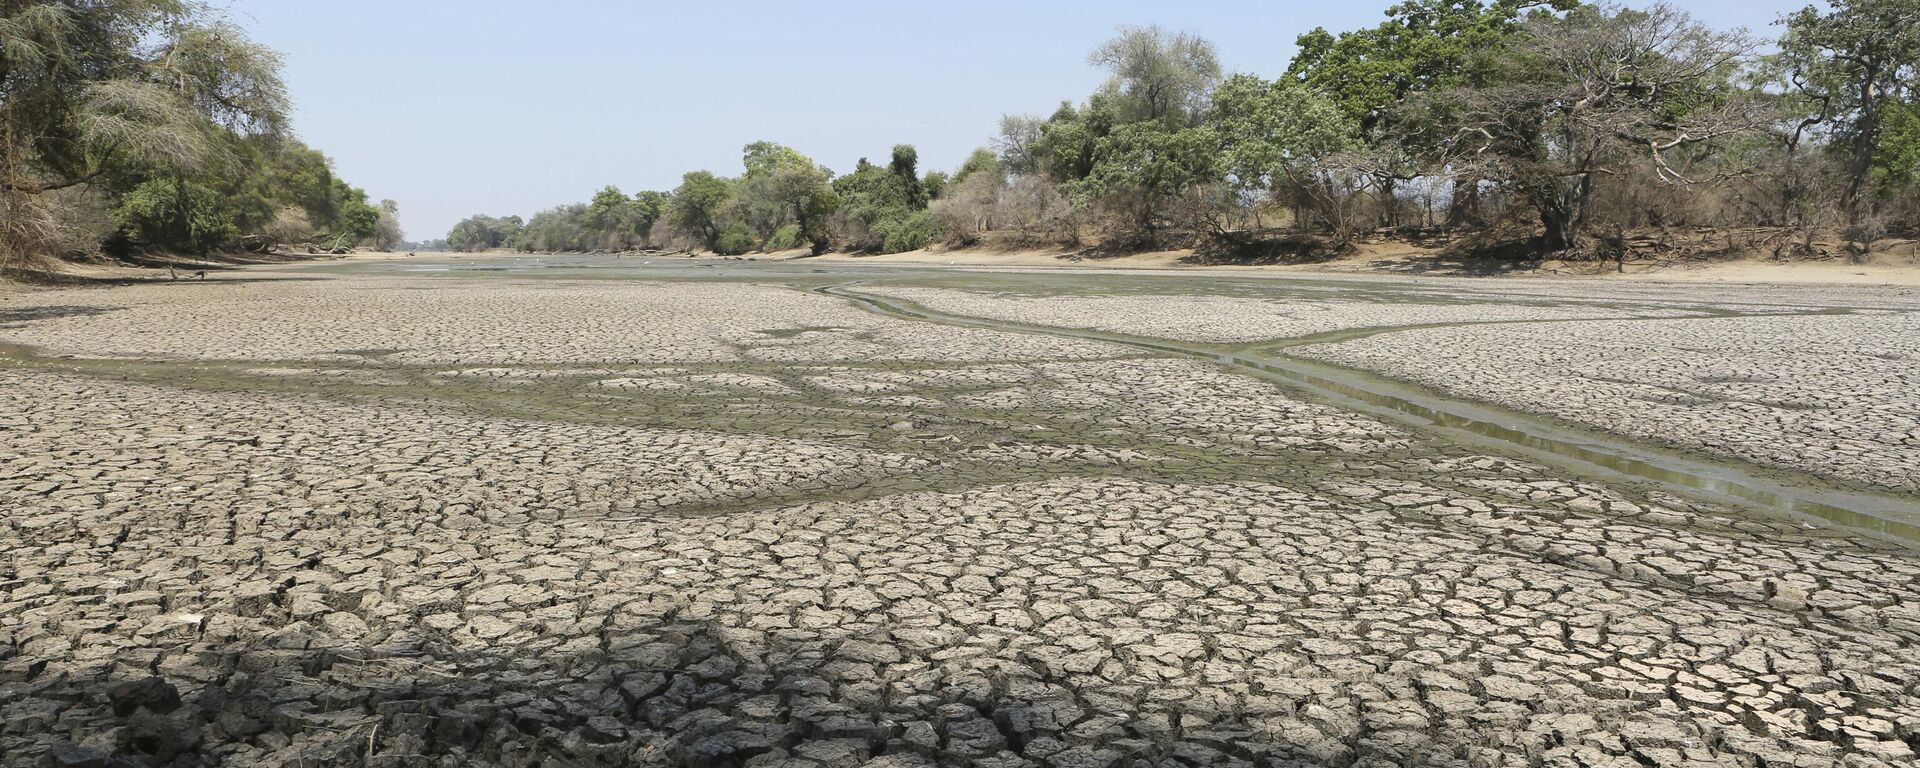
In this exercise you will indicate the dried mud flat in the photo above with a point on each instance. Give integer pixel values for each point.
(369, 519)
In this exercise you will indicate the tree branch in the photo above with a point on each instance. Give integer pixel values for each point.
(36, 189)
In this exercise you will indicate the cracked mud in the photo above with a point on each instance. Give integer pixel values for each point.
(429, 519)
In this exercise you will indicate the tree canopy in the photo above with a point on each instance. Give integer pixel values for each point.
(167, 117)
(1550, 119)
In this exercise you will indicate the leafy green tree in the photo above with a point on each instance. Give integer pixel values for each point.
(906, 167)
(1277, 133)
(882, 209)
(1860, 59)
(1424, 45)
(358, 220)
(175, 212)
(479, 233)
(558, 230)
(649, 208)
(699, 207)
(1140, 168)
(981, 161)
(1065, 148)
(1896, 161)
(613, 221)
(936, 183)
(90, 90)
(608, 209)
(781, 187)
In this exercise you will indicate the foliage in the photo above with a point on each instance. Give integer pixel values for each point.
(185, 213)
(1896, 161)
(1158, 76)
(1140, 167)
(1272, 132)
(1550, 116)
(387, 234)
(174, 118)
(784, 238)
(884, 207)
(982, 161)
(698, 207)
(289, 225)
(1860, 61)
(1583, 94)
(735, 240)
(480, 233)
(1424, 45)
(782, 187)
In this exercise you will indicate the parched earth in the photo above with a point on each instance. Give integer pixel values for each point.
(1837, 395)
(433, 520)
(1808, 379)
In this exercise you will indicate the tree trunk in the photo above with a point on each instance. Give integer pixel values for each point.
(1463, 210)
(1558, 223)
(1389, 210)
(1866, 134)
(1563, 209)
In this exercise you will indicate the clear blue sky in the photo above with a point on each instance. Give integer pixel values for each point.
(484, 106)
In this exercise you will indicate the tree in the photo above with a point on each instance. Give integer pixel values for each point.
(981, 161)
(906, 167)
(90, 90)
(1158, 76)
(1584, 96)
(608, 208)
(564, 228)
(387, 234)
(1141, 167)
(936, 183)
(1896, 159)
(1860, 59)
(1280, 135)
(479, 233)
(184, 214)
(649, 208)
(612, 221)
(1017, 140)
(699, 205)
(1424, 45)
(782, 187)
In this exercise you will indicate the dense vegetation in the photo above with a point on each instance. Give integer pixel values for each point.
(1556, 124)
(139, 125)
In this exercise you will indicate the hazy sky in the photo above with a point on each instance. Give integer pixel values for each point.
(485, 106)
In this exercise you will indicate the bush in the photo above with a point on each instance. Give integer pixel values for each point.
(289, 225)
(908, 233)
(784, 238)
(166, 213)
(736, 240)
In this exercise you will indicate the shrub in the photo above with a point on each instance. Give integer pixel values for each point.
(736, 240)
(908, 233)
(166, 213)
(784, 238)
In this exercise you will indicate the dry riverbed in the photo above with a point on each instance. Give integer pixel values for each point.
(590, 512)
